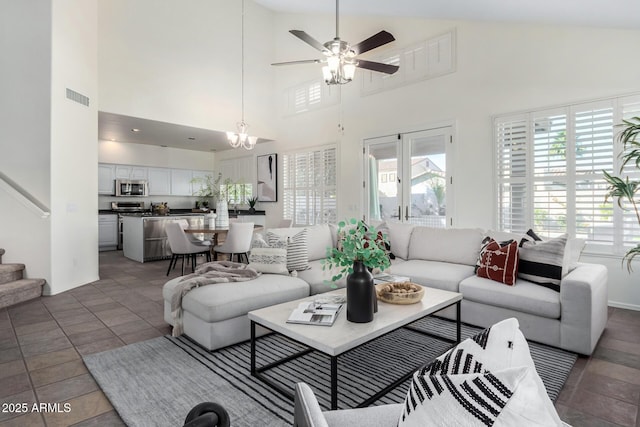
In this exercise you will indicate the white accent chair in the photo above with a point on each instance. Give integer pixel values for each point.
(182, 246)
(238, 241)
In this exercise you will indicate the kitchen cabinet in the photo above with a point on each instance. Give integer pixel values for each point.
(181, 182)
(106, 177)
(131, 172)
(159, 181)
(107, 232)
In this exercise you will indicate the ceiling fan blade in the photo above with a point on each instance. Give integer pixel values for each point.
(377, 66)
(309, 40)
(303, 61)
(376, 40)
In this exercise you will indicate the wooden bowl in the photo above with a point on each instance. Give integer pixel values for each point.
(400, 293)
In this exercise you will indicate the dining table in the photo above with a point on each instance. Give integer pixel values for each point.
(215, 233)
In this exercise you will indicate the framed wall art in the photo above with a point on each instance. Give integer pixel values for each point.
(267, 178)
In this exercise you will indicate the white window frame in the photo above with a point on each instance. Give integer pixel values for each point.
(622, 107)
(295, 196)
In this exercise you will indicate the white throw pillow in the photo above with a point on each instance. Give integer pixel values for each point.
(399, 237)
(266, 258)
(497, 349)
(318, 240)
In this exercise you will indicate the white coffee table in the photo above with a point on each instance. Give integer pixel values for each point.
(344, 336)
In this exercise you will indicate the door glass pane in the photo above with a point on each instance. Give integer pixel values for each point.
(428, 180)
(383, 182)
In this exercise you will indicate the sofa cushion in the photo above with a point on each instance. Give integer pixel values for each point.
(222, 301)
(399, 237)
(319, 238)
(433, 274)
(541, 261)
(499, 261)
(455, 245)
(524, 296)
(320, 280)
(489, 379)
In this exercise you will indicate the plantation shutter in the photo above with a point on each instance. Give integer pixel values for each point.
(310, 186)
(511, 160)
(630, 107)
(549, 173)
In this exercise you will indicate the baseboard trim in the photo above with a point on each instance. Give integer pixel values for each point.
(624, 305)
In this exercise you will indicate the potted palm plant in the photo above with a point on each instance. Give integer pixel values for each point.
(360, 250)
(625, 190)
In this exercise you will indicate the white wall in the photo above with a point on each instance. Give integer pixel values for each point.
(25, 43)
(74, 152)
(180, 62)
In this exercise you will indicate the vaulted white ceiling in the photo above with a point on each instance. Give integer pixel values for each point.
(599, 13)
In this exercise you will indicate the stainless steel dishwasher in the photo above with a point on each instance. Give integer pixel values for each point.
(156, 244)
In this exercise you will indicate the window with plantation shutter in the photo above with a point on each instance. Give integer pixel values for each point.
(549, 175)
(310, 189)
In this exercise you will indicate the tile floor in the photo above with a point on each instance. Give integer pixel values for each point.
(42, 343)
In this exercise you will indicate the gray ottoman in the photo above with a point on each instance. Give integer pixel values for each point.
(215, 316)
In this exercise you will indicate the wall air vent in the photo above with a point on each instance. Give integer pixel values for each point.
(77, 97)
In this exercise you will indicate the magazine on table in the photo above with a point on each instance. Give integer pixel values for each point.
(315, 313)
(389, 278)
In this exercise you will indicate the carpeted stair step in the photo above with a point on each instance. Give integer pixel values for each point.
(10, 272)
(20, 290)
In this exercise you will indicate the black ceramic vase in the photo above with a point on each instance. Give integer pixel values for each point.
(360, 294)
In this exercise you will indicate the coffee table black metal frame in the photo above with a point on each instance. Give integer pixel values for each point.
(257, 371)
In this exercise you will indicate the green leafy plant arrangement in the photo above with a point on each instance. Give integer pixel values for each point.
(360, 242)
(209, 188)
(624, 189)
(252, 201)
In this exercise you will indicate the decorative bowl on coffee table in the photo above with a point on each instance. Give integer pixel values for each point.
(400, 292)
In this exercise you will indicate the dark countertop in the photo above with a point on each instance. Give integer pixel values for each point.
(232, 213)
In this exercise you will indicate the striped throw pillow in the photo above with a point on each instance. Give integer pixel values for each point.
(541, 260)
(297, 249)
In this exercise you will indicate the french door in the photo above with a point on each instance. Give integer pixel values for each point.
(407, 178)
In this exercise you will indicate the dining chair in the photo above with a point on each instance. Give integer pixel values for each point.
(182, 246)
(285, 223)
(195, 238)
(238, 241)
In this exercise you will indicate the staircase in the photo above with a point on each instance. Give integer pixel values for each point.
(13, 288)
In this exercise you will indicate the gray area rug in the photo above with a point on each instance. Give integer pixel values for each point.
(157, 382)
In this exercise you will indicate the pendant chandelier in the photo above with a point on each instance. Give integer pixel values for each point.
(241, 138)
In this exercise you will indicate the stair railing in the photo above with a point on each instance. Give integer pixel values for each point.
(23, 196)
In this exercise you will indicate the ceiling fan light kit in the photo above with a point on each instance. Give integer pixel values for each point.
(242, 138)
(341, 61)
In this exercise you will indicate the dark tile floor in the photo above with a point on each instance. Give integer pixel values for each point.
(42, 342)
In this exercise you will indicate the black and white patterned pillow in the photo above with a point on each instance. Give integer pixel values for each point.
(541, 261)
(297, 249)
(489, 379)
(267, 258)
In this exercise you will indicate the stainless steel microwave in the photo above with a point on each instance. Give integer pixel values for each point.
(132, 187)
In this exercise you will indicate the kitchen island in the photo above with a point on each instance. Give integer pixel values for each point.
(145, 238)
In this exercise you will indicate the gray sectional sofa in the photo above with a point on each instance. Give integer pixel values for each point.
(572, 319)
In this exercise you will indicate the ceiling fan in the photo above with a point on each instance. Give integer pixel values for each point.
(341, 57)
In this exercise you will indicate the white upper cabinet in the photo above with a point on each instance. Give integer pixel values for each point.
(131, 172)
(181, 182)
(106, 177)
(159, 181)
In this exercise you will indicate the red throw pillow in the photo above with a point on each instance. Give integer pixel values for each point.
(499, 263)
